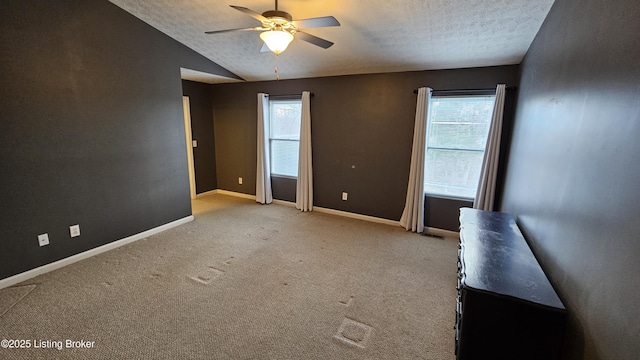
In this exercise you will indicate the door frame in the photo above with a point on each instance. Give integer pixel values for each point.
(186, 108)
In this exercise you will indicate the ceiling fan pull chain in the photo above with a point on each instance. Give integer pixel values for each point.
(275, 69)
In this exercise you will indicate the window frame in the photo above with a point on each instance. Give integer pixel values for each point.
(281, 99)
(457, 94)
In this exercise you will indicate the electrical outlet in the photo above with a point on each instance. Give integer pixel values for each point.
(344, 196)
(43, 239)
(194, 143)
(74, 230)
(240, 180)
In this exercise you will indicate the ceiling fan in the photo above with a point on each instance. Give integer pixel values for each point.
(278, 28)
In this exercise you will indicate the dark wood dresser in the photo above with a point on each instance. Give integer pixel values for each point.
(506, 307)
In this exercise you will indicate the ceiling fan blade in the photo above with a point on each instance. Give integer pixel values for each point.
(256, 28)
(316, 22)
(325, 44)
(251, 13)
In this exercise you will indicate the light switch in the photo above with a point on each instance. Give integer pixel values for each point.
(194, 143)
(344, 196)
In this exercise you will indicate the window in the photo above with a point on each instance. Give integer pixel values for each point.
(284, 136)
(457, 134)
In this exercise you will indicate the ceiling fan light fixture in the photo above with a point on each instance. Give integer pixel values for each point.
(276, 40)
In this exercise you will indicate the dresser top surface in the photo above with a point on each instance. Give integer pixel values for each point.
(496, 258)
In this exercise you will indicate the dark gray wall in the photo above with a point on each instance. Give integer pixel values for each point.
(91, 128)
(362, 128)
(443, 213)
(204, 155)
(284, 188)
(574, 170)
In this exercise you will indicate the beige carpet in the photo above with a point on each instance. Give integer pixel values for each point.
(246, 281)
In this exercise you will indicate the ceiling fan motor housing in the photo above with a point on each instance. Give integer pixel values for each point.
(277, 16)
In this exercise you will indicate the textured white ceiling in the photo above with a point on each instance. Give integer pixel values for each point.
(374, 36)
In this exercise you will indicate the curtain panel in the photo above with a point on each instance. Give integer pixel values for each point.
(304, 186)
(263, 168)
(485, 194)
(413, 213)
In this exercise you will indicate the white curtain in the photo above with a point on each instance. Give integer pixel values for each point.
(485, 194)
(413, 214)
(263, 169)
(304, 188)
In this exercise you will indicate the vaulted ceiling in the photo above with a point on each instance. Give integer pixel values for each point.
(375, 35)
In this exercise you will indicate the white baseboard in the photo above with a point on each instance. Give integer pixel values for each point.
(206, 193)
(283, 203)
(441, 232)
(89, 253)
(233, 193)
(315, 208)
(356, 216)
(428, 230)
